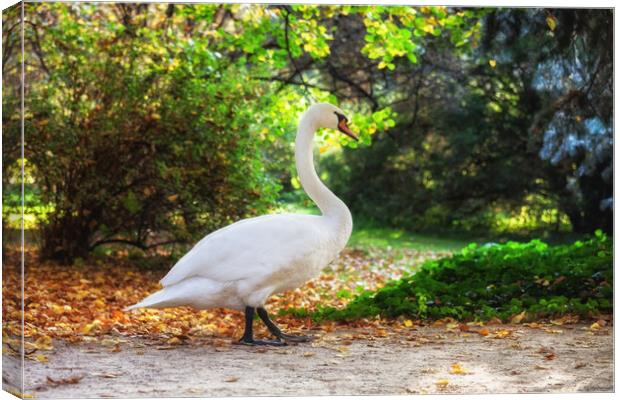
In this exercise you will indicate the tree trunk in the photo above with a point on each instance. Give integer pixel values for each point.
(65, 239)
(590, 217)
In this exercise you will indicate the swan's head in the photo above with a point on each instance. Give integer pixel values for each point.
(325, 115)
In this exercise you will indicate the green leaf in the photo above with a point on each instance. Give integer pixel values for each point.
(131, 202)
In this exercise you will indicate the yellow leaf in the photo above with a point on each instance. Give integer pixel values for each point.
(44, 343)
(41, 358)
(502, 334)
(452, 326)
(88, 328)
(551, 22)
(174, 340)
(442, 383)
(492, 63)
(99, 303)
(518, 318)
(295, 182)
(595, 326)
(408, 323)
(456, 369)
(57, 309)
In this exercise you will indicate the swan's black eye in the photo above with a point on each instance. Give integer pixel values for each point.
(341, 117)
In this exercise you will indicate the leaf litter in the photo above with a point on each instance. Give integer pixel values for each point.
(86, 302)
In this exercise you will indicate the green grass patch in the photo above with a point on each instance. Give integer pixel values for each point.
(482, 282)
(365, 237)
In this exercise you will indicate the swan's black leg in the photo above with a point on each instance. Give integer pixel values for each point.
(248, 336)
(262, 313)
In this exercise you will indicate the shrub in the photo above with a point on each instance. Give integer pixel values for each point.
(133, 135)
(498, 281)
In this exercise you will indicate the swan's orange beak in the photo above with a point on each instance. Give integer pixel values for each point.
(344, 128)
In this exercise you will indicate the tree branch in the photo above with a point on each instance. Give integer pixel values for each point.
(290, 81)
(334, 72)
(134, 243)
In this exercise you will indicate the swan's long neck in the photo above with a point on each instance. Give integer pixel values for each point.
(331, 206)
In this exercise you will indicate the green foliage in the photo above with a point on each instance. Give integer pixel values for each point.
(493, 280)
(394, 32)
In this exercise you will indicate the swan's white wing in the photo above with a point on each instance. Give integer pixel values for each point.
(251, 247)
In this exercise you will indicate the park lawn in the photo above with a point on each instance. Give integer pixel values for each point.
(386, 238)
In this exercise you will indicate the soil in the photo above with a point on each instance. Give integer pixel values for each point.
(510, 359)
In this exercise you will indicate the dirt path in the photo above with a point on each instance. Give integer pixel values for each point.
(418, 360)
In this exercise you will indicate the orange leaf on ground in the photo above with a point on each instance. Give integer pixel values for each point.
(65, 381)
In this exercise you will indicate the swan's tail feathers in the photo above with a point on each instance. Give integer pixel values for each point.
(196, 292)
(159, 299)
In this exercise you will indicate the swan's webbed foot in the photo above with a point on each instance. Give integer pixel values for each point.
(262, 313)
(252, 342)
(248, 336)
(294, 338)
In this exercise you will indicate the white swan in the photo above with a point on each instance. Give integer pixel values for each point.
(241, 265)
